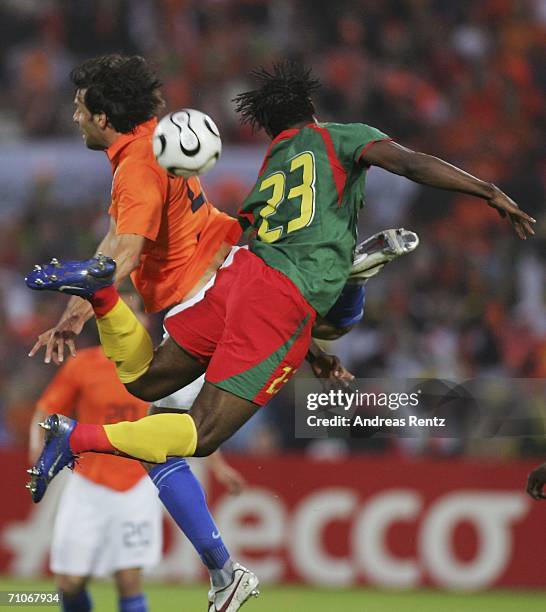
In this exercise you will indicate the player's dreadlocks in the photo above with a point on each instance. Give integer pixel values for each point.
(124, 88)
(282, 99)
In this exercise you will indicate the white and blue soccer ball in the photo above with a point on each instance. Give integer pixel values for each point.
(187, 143)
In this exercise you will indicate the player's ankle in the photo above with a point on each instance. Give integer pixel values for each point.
(104, 300)
(90, 437)
(220, 578)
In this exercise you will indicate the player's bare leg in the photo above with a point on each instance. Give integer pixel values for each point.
(170, 369)
(73, 591)
(214, 417)
(217, 415)
(129, 588)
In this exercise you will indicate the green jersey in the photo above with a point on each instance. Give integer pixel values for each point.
(304, 206)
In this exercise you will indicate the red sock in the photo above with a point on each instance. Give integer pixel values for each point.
(88, 437)
(104, 300)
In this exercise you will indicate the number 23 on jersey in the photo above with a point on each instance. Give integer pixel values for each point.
(302, 193)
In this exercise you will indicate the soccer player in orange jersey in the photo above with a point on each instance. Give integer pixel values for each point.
(167, 236)
(109, 519)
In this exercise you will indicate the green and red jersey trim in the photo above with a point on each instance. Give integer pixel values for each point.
(369, 146)
(338, 171)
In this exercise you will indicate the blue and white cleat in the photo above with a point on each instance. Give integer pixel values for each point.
(372, 254)
(56, 455)
(81, 278)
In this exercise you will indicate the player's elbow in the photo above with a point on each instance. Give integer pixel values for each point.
(414, 166)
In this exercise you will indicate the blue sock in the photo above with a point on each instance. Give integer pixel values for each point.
(77, 603)
(135, 603)
(349, 307)
(184, 498)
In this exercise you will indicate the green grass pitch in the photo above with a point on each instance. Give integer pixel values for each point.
(183, 598)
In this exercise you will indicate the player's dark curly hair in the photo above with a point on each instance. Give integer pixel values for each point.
(282, 99)
(124, 88)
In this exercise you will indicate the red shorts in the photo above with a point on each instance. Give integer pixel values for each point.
(252, 328)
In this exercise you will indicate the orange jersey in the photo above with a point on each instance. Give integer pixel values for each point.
(87, 388)
(183, 230)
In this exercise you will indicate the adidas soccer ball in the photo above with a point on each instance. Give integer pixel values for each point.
(187, 143)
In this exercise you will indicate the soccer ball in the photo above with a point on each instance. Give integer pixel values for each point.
(187, 143)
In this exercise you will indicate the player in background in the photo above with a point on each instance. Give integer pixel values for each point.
(252, 329)
(108, 520)
(164, 234)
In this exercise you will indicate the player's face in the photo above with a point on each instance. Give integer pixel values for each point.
(90, 125)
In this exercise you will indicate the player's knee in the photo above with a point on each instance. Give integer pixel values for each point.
(143, 391)
(327, 331)
(206, 445)
(71, 585)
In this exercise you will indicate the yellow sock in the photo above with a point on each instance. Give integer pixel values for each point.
(154, 438)
(126, 342)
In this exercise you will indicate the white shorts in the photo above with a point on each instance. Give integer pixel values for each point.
(98, 530)
(183, 398)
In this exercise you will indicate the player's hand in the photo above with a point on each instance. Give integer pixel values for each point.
(58, 338)
(536, 481)
(505, 206)
(330, 370)
(229, 477)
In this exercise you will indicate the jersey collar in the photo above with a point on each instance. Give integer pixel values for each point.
(284, 135)
(289, 133)
(141, 130)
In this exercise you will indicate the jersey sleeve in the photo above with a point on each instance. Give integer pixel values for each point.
(63, 391)
(352, 140)
(140, 193)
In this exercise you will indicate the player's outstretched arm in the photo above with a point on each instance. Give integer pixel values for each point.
(126, 250)
(435, 172)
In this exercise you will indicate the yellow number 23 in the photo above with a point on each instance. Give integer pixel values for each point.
(305, 191)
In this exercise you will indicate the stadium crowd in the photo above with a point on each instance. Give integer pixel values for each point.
(462, 80)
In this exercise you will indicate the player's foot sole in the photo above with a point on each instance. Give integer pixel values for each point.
(55, 455)
(81, 278)
(243, 586)
(378, 250)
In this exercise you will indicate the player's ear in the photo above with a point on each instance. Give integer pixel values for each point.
(101, 120)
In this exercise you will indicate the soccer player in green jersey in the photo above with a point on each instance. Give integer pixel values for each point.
(252, 329)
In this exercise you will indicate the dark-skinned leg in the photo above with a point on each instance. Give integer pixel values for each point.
(217, 415)
(170, 369)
